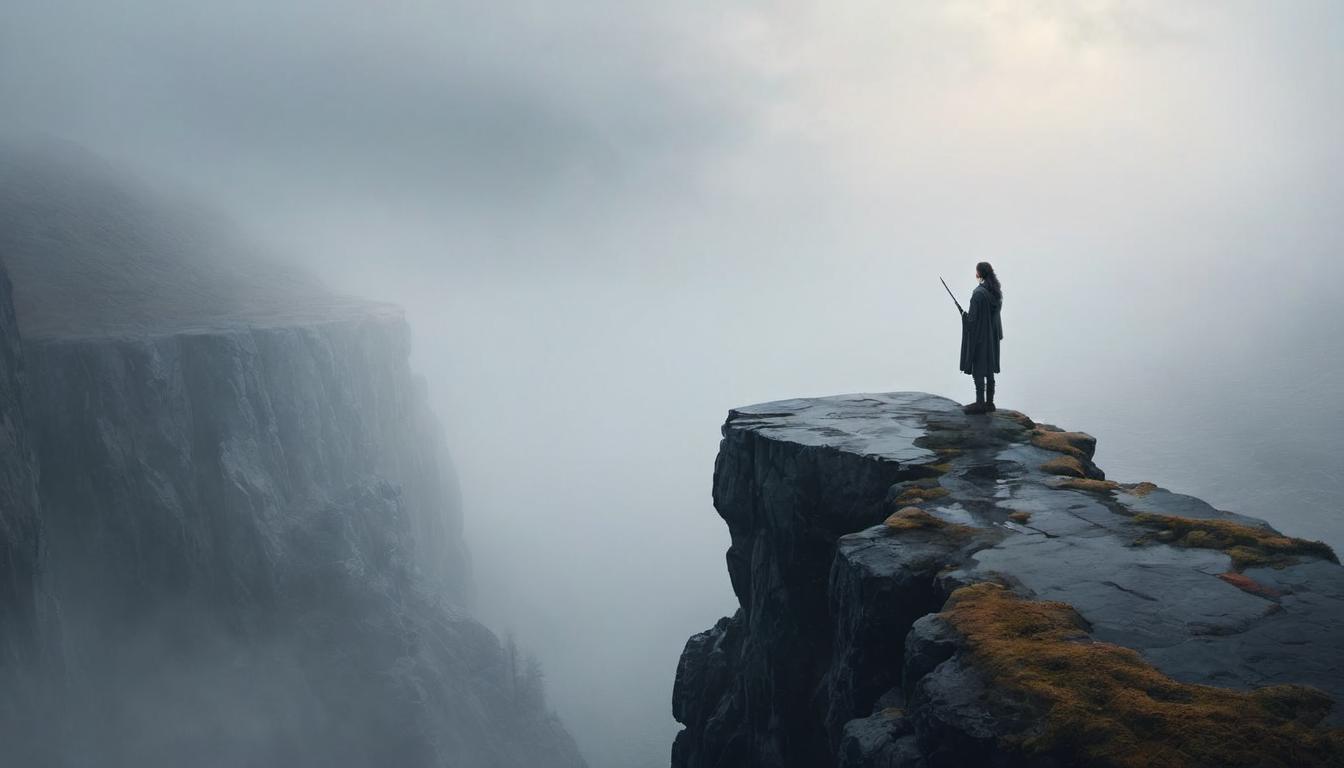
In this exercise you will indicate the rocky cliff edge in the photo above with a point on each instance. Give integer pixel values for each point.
(919, 587)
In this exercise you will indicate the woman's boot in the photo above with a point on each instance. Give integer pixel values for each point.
(989, 395)
(979, 405)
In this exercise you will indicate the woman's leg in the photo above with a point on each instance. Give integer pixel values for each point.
(989, 390)
(979, 387)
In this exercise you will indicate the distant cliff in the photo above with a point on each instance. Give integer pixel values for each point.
(20, 597)
(922, 588)
(228, 491)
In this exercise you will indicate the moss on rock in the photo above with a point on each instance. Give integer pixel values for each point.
(1079, 445)
(1139, 489)
(1247, 545)
(1065, 465)
(919, 492)
(1017, 416)
(914, 519)
(1088, 484)
(1101, 704)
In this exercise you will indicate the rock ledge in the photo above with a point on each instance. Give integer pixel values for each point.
(859, 521)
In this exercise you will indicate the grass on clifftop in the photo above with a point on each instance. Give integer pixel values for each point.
(1076, 444)
(914, 519)
(1247, 545)
(1139, 489)
(1088, 484)
(1065, 465)
(918, 491)
(1102, 704)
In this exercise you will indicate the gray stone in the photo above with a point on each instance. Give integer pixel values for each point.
(884, 739)
(839, 611)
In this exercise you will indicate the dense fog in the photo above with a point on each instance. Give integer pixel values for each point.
(610, 222)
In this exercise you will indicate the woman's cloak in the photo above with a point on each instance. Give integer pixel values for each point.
(981, 330)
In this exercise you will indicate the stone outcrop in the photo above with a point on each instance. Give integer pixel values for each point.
(1132, 625)
(229, 519)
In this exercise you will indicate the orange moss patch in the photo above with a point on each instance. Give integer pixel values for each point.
(1247, 584)
(1139, 489)
(914, 518)
(1088, 484)
(1075, 444)
(918, 491)
(1247, 545)
(1064, 465)
(1017, 416)
(1102, 704)
(892, 713)
(1019, 517)
(947, 453)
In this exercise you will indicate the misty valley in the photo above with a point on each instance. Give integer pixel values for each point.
(708, 384)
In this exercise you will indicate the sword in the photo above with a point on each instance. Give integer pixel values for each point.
(954, 298)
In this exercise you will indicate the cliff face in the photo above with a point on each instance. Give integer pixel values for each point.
(19, 540)
(920, 587)
(250, 536)
(194, 448)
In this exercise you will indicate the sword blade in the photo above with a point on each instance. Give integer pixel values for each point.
(949, 293)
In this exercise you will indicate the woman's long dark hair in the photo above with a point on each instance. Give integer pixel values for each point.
(986, 271)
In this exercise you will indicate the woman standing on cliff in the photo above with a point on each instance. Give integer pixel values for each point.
(981, 331)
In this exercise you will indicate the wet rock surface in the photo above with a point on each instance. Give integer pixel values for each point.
(839, 610)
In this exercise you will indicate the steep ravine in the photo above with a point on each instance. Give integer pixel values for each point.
(232, 536)
(920, 588)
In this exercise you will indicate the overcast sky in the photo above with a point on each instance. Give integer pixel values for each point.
(610, 221)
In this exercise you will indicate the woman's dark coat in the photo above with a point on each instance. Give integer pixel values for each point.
(981, 330)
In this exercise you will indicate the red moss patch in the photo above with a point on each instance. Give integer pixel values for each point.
(1247, 584)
